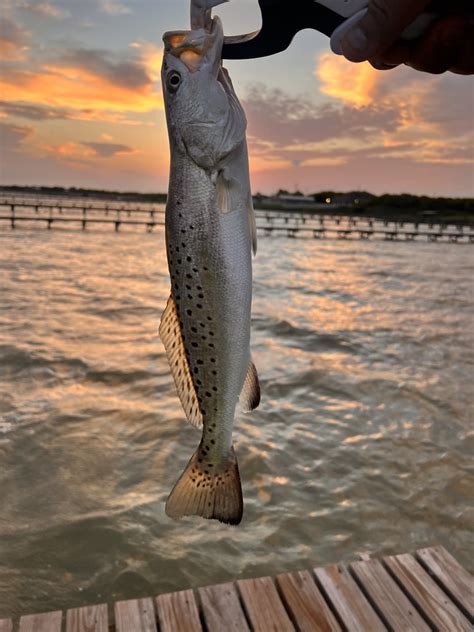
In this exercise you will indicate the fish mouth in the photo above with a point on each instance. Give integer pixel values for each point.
(199, 49)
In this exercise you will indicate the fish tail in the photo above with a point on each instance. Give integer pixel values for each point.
(208, 489)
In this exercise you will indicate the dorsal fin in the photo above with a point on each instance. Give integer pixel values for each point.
(250, 396)
(170, 334)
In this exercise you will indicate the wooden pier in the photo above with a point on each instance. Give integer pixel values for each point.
(34, 212)
(403, 593)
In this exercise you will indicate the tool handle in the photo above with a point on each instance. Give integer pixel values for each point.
(413, 31)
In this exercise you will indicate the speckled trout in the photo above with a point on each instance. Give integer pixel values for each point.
(210, 234)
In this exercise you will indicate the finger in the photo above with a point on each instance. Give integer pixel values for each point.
(440, 48)
(465, 62)
(383, 23)
(397, 54)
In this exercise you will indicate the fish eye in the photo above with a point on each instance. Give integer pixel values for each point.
(173, 80)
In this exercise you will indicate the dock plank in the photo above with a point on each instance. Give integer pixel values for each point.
(6, 625)
(395, 608)
(221, 608)
(178, 612)
(350, 603)
(263, 605)
(88, 619)
(135, 614)
(47, 622)
(454, 579)
(435, 604)
(306, 604)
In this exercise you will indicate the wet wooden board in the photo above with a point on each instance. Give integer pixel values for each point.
(178, 612)
(221, 608)
(137, 615)
(47, 622)
(350, 603)
(263, 605)
(428, 590)
(307, 606)
(453, 578)
(420, 588)
(386, 597)
(88, 619)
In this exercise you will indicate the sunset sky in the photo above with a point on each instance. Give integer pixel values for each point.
(81, 105)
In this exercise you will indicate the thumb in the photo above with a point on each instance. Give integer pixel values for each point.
(382, 25)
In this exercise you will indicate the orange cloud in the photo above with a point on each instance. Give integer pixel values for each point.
(354, 84)
(79, 88)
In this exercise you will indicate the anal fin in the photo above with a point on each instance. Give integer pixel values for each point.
(250, 395)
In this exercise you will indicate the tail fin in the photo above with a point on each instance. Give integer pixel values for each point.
(207, 489)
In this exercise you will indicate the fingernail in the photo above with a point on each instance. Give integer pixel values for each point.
(357, 39)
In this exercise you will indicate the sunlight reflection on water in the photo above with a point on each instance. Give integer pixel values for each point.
(362, 441)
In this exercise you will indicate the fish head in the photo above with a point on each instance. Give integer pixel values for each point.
(204, 116)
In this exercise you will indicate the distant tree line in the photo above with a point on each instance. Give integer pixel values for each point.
(353, 201)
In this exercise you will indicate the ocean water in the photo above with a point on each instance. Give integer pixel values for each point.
(362, 442)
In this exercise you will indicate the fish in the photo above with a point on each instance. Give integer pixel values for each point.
(210, 238)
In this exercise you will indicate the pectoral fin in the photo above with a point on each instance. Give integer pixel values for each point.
(223, 193)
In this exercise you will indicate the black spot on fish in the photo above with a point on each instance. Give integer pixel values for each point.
(211, 345)
(209, 318)
(208, 394)
(202, 325)
(194, 330)
(213, 360)
(194, 344)
(202, 337)
(214, 388)
(191, 226)
(183, 244)
(189, 276)
(195, 269)
(183, 232)
(200, 362)
(213, 442)
(190, 296)
(179, 261)
(200, 295)
(195, 370)
(198, 287)
(189, 312)
(214, 372)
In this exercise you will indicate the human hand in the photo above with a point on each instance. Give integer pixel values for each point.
(447, 44)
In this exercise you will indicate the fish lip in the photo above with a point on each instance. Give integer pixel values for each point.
(205, 42)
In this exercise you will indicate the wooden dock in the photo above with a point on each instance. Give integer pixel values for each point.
(33, 213)
(403, 593)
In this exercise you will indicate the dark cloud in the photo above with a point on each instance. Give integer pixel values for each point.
(277, 117)
(12, 37)
(12, 136)
(34, 112)
(128, 73)
(450, 105)
(106, 150)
